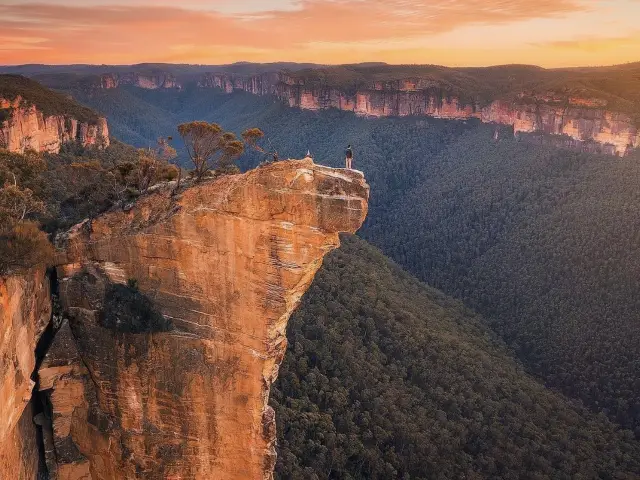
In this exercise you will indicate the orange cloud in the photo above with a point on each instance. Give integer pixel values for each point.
(596, 44)
(51, 33)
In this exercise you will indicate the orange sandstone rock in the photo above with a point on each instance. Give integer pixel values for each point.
(579, 119)
(25, 311)
(27, 128)
(219, 269)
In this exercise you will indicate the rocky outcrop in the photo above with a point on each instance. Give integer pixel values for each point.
(614, 132)
(178, 309)
(583, 120)
(151, 81)
(25, 312)
(27, 128)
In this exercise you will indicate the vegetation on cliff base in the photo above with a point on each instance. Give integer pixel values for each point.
(46, 101)
(385, 377)
(543, 242)
(504, 225)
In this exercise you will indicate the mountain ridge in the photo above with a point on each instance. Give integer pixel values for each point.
(593, 109)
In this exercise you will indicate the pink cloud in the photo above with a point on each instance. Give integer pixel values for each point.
(128, 34)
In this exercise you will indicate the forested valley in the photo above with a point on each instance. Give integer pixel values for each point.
(385, 377)
(543, 242)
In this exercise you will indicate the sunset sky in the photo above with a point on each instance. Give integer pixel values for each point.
(550, 33)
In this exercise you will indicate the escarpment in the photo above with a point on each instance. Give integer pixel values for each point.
(150, 81)
(33, 117)
(583, 120)
(25, 312)
(177, 310)
(28, 128)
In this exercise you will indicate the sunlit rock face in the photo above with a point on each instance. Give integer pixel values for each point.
(151, 81)
(614, 131)
(176, 384)
(28, 129)
(583, 120)
(25, 311)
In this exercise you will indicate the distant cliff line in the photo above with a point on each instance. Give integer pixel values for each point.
(27, 128)
(582, 118)
(33, 117)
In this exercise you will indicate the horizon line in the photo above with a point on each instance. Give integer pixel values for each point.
(312, 64)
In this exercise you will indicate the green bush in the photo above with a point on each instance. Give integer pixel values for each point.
(23, 245)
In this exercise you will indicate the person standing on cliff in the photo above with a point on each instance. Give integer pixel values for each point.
(349, 156)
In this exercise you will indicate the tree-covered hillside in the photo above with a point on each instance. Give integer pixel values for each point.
(543, 242)
(616, 85)
(385, 377)
(47, 101)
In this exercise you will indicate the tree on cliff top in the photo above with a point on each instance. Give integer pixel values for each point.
(252, 136)
(17, 203)
(209, 147)
(22, 244)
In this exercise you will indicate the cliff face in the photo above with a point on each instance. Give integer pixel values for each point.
(615, 132)
(27, 128)
(25, 311)
(148, 81)
(583, 120)
(171, 378)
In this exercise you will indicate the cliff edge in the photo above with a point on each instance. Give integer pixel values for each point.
(33, 117)
(177, 314)
(589, 122)
(25, 312)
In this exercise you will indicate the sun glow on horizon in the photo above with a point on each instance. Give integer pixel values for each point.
(550, 33)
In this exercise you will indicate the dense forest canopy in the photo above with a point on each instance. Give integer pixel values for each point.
(385, 377)
(542, 241)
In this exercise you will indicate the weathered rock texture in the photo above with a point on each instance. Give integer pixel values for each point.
(149, 81)
(25, 311)
(19, 449)
(27, 128)
(582, 120)
(180, 391)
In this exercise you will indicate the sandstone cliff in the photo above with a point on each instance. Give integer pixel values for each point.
(28, 128)
(583, 120)
(178, 311)
(25, 312)
(149, 81)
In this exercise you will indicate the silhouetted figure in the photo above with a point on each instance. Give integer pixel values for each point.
(348, 156)
(275, 156)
